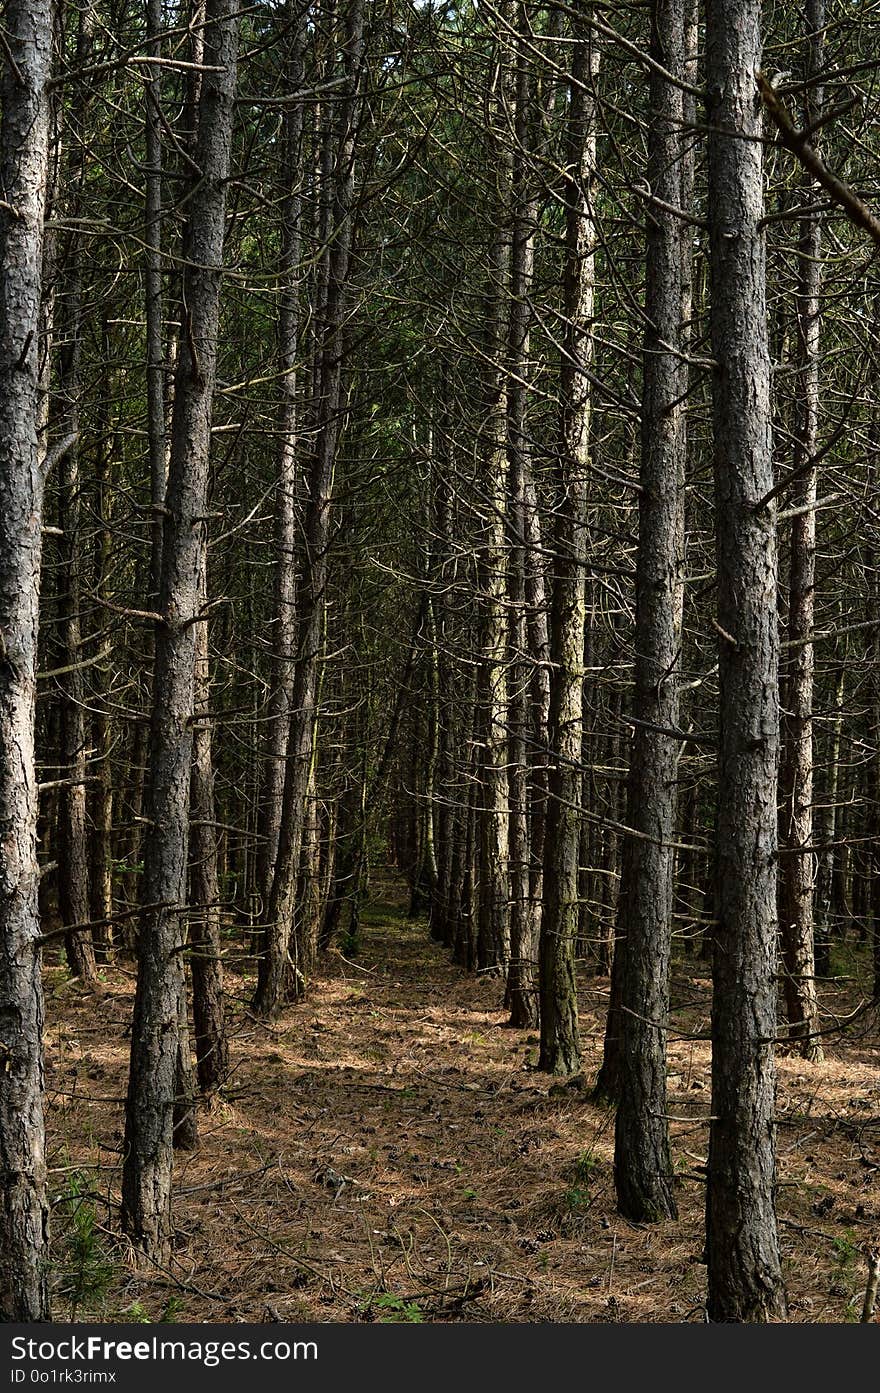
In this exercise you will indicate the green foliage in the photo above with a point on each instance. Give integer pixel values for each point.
(84, 1269)
(397, 1310)
(845, 1251)
(585, 1169)
(135, 1314)
(389, 1309)
(172, 1310)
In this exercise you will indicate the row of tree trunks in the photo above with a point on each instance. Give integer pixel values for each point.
(280, 974)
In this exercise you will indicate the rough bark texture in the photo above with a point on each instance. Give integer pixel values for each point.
(101, 790)
(159, 1028)
(642, 1161)
(493, 932)
(798, 866)
(24, 1210)
(745, 1281)
(522, 995)
(153, 306)
(73, 851)
(209, 1016)
(560, 1041)
(284, 637)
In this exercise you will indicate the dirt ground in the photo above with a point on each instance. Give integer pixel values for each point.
(387, 1152)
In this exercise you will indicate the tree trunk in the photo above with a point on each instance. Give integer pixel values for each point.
(642, 1160)
(24, 1212)
(521, 996)
(209, 1016)
(798, 866)
(744, 1276)
(493, 932)
(158, 1031)
(560, 1039)
(284, 640)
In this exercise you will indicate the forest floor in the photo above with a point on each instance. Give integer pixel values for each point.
(386, 1151)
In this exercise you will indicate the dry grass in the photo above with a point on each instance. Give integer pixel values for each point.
(387, 1152)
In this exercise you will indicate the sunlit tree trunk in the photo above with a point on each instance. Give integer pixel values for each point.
(24, 1211)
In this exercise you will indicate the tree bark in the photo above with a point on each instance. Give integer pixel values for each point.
(642, 1160)
(798, 866)
(284, 642)
(560, 1039)
(744, 1276)
(73, 851)
(521, 995)
(24, 1211)
(158, 1031)
(209, 1012)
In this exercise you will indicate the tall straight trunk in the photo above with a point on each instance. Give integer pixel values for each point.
(873, 821)
(101, 790)
(310, 894)
(279, 973)
(744, 1275)
(447, 788)
(73, 849)
(869, 858)
(560, 1038)
(154, 299)
(642, 1160)
(535, 594)
(24, 1211)
(826, 835)
(209, 1012)
(797, 770)
(284, 618)
(522, 997)
(493, 932)
(158, 1031)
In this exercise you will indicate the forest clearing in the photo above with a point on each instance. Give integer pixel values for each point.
(388, 1152)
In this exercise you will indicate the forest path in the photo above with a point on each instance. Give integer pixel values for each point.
(386, 1151)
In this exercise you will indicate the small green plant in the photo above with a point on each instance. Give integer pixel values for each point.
(578, 1200)
(845, 1250)
(172, 1310)
(585, 1168)
(84, 1269)
(390, 1309)
(397, 1310)
(135, 1314)
(469, 1194)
